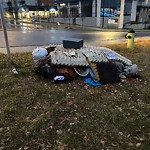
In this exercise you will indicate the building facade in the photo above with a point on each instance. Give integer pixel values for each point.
(19, 9)
(100, 13)
(105, 12)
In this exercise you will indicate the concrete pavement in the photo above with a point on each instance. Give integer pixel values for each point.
(18, 49)
(101, 43)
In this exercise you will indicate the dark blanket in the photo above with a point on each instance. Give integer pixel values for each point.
(108, 73)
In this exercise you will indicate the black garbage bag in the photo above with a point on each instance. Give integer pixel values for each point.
(45, 69)
(108, 72)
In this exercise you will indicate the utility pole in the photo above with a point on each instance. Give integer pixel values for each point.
(14, 71)
(5, 32)
(121, 18)
(103, 9)
(98, 14)
(133, 10)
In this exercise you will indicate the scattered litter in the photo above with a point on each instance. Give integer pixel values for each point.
(111, 55)
(82, 71)
(39, 53)
(58, 23)
(59, 78)
(131, 71)
(95, 65)
(14, 71)
(90, 79)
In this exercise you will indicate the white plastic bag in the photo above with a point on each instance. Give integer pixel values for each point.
(39, 53)
(131, 70)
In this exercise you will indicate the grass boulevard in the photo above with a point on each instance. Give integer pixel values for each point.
(37, 114)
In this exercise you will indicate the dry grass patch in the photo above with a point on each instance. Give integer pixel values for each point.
(37, 114)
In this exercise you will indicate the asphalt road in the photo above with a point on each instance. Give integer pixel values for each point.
(34, 35)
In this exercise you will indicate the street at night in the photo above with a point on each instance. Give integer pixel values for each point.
(26, 34)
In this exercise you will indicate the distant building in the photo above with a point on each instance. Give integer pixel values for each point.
(100, 13)
(27, 8)
(134, 10)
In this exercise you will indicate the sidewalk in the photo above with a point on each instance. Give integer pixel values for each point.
(18, 49)
(25, 49)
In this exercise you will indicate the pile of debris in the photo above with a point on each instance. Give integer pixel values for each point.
(95, 65)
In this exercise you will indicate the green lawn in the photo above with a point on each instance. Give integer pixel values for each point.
(37, 114)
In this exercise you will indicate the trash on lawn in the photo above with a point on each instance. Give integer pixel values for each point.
(95, 65)
(39, 53)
